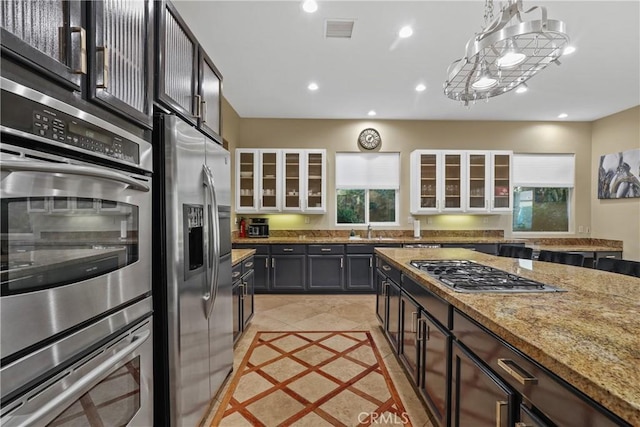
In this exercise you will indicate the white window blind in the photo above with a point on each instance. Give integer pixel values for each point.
(544, 170)
(379, 171)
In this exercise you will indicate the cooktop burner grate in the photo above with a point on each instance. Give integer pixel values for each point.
(468, 276)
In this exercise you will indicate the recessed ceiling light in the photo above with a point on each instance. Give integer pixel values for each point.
(309, 6)
(405, 32)
(568, 50)
(312, 86)
(420, 88)
(563, 115)
(522, 88)
(371, 113)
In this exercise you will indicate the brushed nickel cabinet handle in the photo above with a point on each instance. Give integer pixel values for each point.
(198, 101)
(83, 50)
(516, 371)
(287, 249)
(204, 111)
(105, 67)
(325, 249)
(499, 405)
(248, 264)
(236, 274)
(414, 321)
(370, 262)
(521, 424)
(266, 263)
(386, 267)
(341, 263)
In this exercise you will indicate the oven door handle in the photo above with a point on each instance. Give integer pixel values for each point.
(80, 387)
(28, 166)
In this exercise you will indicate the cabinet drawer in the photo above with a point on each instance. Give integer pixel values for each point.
(388, 270)
(287, 249)
(247, 265)
(236, 272)
(326, 249)
(548, 393)
(360, 249)
(431, 303)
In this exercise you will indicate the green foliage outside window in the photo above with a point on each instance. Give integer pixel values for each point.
(541, 209)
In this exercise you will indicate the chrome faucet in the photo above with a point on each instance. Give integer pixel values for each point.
(368, 231)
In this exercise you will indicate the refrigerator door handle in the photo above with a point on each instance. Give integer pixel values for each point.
(213, 249)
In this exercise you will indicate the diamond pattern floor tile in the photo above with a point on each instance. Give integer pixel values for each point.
(319, 378)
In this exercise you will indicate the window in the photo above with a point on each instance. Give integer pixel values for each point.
(543, 184)
(367, 186)
(541, 209)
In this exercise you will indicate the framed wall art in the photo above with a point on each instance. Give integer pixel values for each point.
(619, 175)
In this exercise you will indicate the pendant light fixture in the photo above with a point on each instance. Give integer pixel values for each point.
(506, 53)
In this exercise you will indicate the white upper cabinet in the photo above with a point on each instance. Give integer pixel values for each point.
(501, 182)
(315, 185)
(280, 180)
(247, 180)
(445, 181)
(478, 176)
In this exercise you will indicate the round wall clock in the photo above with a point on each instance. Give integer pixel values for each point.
(369, 139)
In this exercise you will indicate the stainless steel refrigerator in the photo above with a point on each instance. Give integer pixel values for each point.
(192, 274)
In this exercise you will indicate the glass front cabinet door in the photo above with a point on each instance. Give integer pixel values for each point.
(453, 184)
(315, 186)
(477, 194)
(269, 178)
(292, 162)
(501, 181)
(425, 182)
(246, 180)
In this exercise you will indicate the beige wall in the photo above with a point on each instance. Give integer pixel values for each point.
(616, 218)
(231, 136)
(405, 136)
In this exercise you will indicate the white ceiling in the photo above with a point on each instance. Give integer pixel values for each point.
(269, 51)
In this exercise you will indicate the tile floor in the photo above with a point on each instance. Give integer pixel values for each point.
(326, 312)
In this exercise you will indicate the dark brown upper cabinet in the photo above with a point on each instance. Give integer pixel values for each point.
(187, 81)
(121, 58)
(48, 36)
(210, 92)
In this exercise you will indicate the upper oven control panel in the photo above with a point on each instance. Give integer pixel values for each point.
(32, 115)
(50, 124)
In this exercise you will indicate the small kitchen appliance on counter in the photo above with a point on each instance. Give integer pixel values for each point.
(259, 227)
(468, 276)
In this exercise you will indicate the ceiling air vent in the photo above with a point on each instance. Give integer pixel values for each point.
(338, 28)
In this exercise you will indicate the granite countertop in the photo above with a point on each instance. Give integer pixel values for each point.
(559, 245)
(33, 262)
(573, 248)
(239, 255)
(589, 336)
(307, 239)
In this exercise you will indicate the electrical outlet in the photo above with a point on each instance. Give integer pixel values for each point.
(580, 229)
(306, 220)
(587, 229)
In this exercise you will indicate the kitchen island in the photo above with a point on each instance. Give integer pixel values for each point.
(588, 336)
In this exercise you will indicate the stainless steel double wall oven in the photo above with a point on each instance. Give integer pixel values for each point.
(75, 305)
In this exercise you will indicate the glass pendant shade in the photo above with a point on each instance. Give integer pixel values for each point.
(511, 56)
(485, 80)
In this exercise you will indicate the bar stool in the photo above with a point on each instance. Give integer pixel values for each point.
(514, 251)
(566, 258)
(621, 266)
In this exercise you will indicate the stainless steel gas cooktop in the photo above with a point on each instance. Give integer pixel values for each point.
(468, 276)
